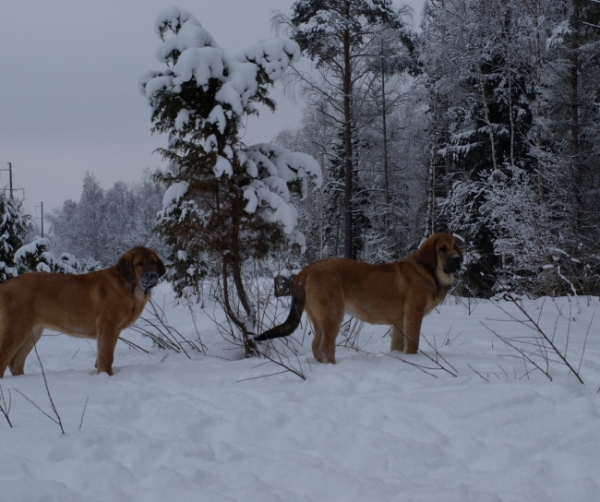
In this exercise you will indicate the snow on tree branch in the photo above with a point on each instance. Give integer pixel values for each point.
(200, 98)
(193, 53)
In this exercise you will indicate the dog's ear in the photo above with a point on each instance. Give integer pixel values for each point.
(160, 267)
(457, 244)
(427, 253)
(125, 268)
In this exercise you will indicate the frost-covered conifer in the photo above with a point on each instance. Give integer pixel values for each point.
(37, 257)
(106, 223)
(224, 198)
(14, 225)
(513, 88)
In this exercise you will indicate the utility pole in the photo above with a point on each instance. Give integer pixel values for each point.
(10, 184)
(41, 206)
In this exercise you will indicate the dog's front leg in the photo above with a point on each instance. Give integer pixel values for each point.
(412, 329)
(397, 338)
(107, 340)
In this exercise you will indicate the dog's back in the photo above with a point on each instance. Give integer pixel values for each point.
(62, 302)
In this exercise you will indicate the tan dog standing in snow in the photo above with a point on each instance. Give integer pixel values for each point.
(399, 294)
(97, 305)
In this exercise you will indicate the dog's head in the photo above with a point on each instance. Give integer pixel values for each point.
(441, 252)
(141, 266)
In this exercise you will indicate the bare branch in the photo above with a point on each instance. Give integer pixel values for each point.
(544, 336)
(4, 406)
(58, 420)
(83, 414)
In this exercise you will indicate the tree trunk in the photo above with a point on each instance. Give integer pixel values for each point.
(538, 101)
(430, 226)
(574, 126)
(248, 343)
(386, 181)
(349, 248)
(232, 261)
(509, 76)
(488, 121)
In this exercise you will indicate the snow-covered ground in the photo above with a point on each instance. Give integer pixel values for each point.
(487, 428)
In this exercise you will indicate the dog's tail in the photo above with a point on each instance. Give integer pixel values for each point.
(293, 320)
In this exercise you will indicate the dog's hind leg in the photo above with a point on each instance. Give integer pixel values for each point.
(330, 325)
(17, 363)
(313, 317)
(323, 344)
(316, 343)
(325, 309)
(331, 328)
(6, 353)
(11, 339)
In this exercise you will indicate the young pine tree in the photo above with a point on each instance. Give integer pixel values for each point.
(225, 201)
(14, 225)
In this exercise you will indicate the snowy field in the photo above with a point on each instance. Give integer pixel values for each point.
(483, 425)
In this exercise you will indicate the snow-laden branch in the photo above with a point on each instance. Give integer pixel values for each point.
(192, 53)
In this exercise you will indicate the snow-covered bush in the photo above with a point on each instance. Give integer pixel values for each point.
(14, 225)
(37, 257)
(527, 252)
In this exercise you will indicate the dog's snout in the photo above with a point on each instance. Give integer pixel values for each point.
(150, 279)
(453, 263)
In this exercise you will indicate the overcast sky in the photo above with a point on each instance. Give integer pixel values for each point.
(69, 101)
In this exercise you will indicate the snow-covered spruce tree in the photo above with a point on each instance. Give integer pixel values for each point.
(481, 96)
(37, 257)
(14, 225)
(570, 98)
(513, 89)
(225, 200)
(90, 218)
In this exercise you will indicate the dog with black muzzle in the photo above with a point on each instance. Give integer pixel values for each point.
(97, 305)
(397, 294)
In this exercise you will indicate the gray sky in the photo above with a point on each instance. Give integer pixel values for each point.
(69, 101)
